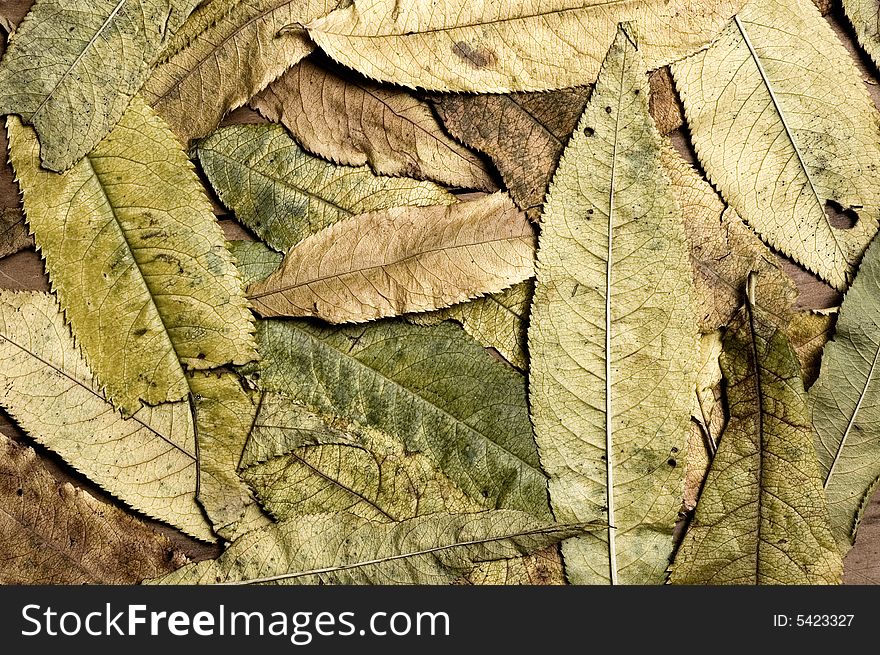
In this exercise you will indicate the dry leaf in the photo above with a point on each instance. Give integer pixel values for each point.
(664, 105)
(808, 333)
(55, 533)
(351, 120)
(523, 133)
(406, 259)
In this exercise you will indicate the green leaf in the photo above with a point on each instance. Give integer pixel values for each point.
(761, 517)
(225, 54)
(778, 149)
(284, 194)
(499, 320)
(433, 389)
(846, 403)
(255, 260)
(139, 264)
(148, 461)
(340, 548)
(612, 339)
(73, 66)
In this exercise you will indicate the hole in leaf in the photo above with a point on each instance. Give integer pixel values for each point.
(589, 131)
(840, 217)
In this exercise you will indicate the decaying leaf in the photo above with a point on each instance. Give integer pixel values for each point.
(404, 259)
(517, 45)
(148, 461)
(781, 153)
(73, 66)
(351, 120)
(761, 517)
(664, 105)
(498, 321)
(808, 333)
(224, 56)
(523, 133)
(137, 260)
(284, 194)
(862, 15)
(55, 533)
(255, 260)
(432, 388)
(13, 232)
(723, 252)
(707, 420)
(224, 415)
(846, 405)
(341, 548)
(612, 339)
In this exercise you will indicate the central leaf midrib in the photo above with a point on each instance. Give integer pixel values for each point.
(761, 441)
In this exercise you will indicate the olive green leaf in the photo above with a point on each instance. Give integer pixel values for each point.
(497, 47)
(55, 533)
(224, 415)
(523, 133)
(846, 404)
(137, 260)
(403, 259)
(284, 194)
(779, 152)
(254, 260)
(862, 15)
(73, 66)
(761, 517)
(612, 340)
(808, 333)
(223, 55)
(708, 418)
(432, 388)
(148, 461)
(499, 320)
(341, 548)
(351, 120)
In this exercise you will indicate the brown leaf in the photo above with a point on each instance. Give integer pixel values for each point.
(55, 533)
(404, 259)
(808, 333)
(351, 120)
(664, 105)
(523, 133)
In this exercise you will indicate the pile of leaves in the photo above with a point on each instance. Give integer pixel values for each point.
(481, 321)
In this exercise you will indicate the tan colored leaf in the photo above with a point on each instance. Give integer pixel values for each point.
(72, 67)
(137, 260)
(523, 133)
(707, 421)
(400, 260)
(284, 194)
(13, 232)
(351, 120)
(499, 320)
(515, 45)
(612, 338)
(148, 461)
(664, 106)
(542, 568)
(761, 517)
(779, 152)
(223, 61)
(723, 252)
(808, 333)
(55, 533)
(862, 15)
(341, 548)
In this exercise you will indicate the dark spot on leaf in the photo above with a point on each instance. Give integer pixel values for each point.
(674, 450)
(479, 57)
(637, 91)
(607, 110)
(140, 332)
(201, 356)
(19, 492)
(671, 462)
(589, 131)
(485, 493)
(842, 218)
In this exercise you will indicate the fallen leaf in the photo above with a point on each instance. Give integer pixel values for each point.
(351, 120)
(13, 233)
(72, 67)
(225, 54)
(523, 133)
(523, 45)
(862, 16)
(255, 260)
(148, 461)
(612, 339)
(137, 260)
(341, 548)
(780, 153)
(761, 517)
(284, 194)
(664, 106)
(404, 259)
(808, 333)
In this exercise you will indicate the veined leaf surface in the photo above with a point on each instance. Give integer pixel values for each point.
(404, 259)
(148, 461)
(137, 260)
(862, 15)
(761, 517)
(778, 152)
(341, 548)
(284, 194)
(73, 66)
(515, 45)
(612, 339)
